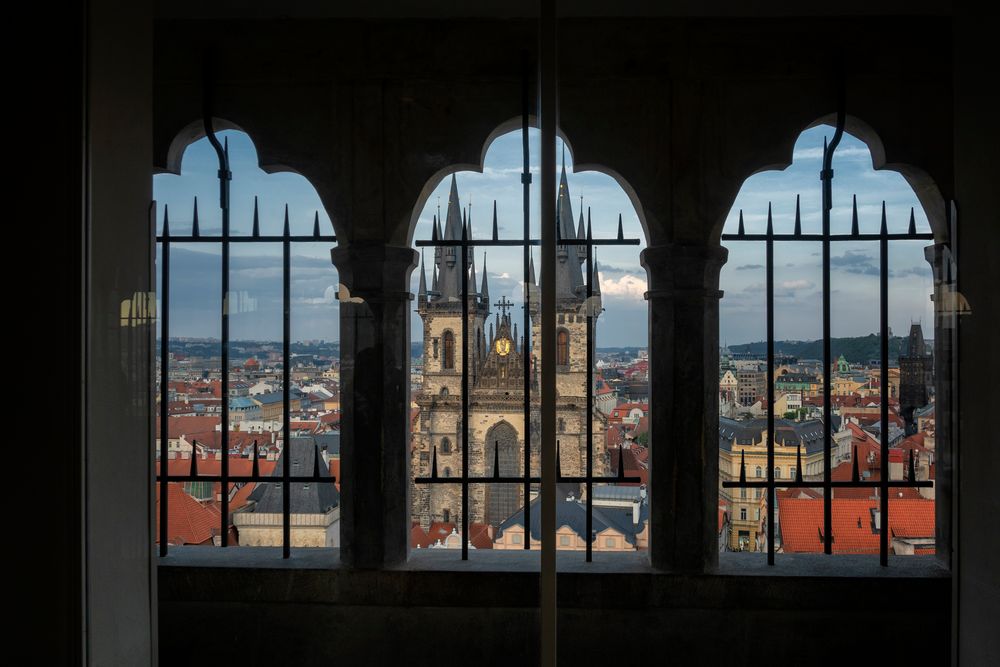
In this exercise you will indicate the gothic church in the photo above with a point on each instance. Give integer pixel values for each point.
(498, 359)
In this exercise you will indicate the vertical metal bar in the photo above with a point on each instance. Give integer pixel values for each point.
(590, 393)
(225, 375)
(549, 119)
(883, 251)
(286, 403)
(526, 347)
(826, 176)
(164, 380)
(771, 500)
(225, 176)
(465, 392)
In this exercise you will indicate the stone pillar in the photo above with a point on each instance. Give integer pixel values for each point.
(375, 402)
(684, 404)
(948, 304)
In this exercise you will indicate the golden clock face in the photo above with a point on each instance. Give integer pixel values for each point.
(503, 346)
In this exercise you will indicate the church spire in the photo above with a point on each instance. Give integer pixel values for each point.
(569, 276)
(485, 290)
(422, 289)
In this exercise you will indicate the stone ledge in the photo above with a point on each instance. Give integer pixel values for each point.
(440, 578)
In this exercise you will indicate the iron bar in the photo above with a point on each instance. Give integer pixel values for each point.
(771, 500)
(299, 238)
(590, 391)
(465, 391)
(225, 176)
(286, 410)
(883, 247)
(526, 252)
(826, 177)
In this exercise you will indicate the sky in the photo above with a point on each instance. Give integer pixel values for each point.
(255, 277)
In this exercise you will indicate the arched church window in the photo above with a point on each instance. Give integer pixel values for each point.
(801, 272)
(445, 446)
(562, 348)
(449, 350)
(239, 277)
(498, 310)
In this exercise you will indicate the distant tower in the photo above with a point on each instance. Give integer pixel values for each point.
(916, 376)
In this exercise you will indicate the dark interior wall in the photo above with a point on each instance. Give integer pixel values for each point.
(438, 610)
(189, 622)
(50, 186)
(977, 142)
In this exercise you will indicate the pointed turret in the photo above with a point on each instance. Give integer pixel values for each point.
(855, 230)
(485, 289)
(472, 275)
(449, 281)
(581, 250)
(195, 230)
(256, 218)
(531, 271)
(422, 289)
(569, 277)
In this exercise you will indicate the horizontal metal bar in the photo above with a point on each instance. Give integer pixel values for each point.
(598, 480)
(520, 480)
(832, 237)
(301, 479)
(247, 239)
(485, 243)
(475, 480)
(818, 483)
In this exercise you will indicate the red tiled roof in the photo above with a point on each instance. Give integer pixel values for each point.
(801, 523)
(188, 521)
(238, 466)
(185, 425)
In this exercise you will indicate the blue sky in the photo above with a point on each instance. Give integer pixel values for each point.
(256, 269)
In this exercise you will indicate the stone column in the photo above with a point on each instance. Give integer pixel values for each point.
(375, 402)
(948, 304)
(684, 404)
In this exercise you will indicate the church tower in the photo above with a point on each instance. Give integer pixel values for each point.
(499, 357)
(916, 376)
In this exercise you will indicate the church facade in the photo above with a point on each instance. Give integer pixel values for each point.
(499, 356)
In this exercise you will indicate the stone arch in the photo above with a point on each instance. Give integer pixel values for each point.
(780, 156)
(169, 155)
(511, 125)
(502, 500)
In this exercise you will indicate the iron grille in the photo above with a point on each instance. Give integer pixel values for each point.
(883, 484)
(526, 242)
(286, 238)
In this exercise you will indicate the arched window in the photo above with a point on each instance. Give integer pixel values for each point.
(447, 471)
(449, 350)
(760, 471)
(562, 348)
(777, 472)
(445, 446)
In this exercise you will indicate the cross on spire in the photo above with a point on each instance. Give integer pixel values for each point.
(504, 305)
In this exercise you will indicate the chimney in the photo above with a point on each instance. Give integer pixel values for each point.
(895, 464)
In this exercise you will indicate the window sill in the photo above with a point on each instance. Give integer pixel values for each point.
(441, 578)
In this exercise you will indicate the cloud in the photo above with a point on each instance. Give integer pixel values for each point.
(856, 261)
(628, 286)
(919, 271)
(854, 152)
(748, 267)
(795, 285)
